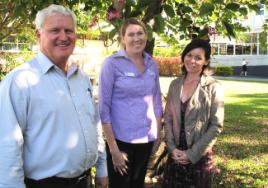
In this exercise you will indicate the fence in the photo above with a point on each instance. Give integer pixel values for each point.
(14, 47)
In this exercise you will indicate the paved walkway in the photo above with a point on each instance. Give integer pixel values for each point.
(165, 81)
(248, 78)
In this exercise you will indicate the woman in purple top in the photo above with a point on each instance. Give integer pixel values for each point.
(130, 107)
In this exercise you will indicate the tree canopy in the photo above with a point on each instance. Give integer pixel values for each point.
(174, 20)
(187, 18)
(17, 16)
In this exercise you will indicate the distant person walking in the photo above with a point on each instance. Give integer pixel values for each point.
(244, 70)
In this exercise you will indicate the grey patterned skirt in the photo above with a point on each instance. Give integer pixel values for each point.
(197, 175)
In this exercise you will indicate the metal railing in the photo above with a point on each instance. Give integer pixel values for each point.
(14, 47)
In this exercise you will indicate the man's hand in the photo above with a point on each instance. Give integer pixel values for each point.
(102, 182)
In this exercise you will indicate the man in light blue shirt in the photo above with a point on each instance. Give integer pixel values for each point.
(48, 118)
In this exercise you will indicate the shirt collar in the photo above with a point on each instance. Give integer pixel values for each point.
(46, 64)
(43, 61)
(206, 80)
(123, 53)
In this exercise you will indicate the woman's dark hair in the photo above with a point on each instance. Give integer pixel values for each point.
(198, 43)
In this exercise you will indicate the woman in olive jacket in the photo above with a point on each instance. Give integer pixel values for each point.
(193, 116)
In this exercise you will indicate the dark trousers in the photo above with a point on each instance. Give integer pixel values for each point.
(138, 156)
(53, 183)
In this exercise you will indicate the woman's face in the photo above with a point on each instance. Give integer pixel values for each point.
(134, 39)
(194, 60)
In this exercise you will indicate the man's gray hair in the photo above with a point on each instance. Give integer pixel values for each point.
(48, 11)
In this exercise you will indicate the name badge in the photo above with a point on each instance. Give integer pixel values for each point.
(151, 73)
(131, 74)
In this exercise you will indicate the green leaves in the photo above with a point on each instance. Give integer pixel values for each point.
(169, 10)
(112, 33)
(206, 9)
(135, 13)
(180, 17)
(217, 1)
(232, 6)
(149, 32)
(203, 34)
(243, 11)
(143, 3)
(192, 1)
(159, 23)
(228, 28)
(254, 7)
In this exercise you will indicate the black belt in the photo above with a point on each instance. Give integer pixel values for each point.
(60, 180)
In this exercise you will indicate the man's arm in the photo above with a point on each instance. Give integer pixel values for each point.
(12, 110)
(101, 179)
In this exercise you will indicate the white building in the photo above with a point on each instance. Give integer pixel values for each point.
(231, 52)
(249, 42)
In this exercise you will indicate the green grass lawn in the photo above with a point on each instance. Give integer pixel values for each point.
(242, 149)
(241, 152)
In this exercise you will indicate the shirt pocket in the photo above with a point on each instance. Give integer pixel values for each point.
(87, 102)
(46, 109)
(150, 82)
(129, 85)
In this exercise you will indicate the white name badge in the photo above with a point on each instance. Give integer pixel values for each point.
(151, 73)
(131, 74)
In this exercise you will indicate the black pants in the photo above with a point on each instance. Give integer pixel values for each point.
(83, 183)
(138, 156)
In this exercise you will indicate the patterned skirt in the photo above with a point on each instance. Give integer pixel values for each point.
(197, 175)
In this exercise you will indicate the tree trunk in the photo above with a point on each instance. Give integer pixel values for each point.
(150, 46)
(153, 9)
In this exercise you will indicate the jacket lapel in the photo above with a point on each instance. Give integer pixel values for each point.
(177, 102)
(194, 105)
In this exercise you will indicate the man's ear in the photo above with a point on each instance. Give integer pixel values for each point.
(37, 33)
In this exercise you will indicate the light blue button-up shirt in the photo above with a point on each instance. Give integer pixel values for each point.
(47, 123)
(130, 100)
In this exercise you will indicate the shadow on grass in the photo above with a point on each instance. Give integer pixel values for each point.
(236, 151)
(239, 178)
(244, 142)
(244, 138)
(245, 127)
(262, 96)
(239, 115)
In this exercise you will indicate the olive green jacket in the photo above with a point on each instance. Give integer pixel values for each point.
(203, 117)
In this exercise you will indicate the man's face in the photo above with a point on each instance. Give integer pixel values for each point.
(57, 38)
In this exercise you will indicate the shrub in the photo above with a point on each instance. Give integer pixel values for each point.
(166, 52)
(169, 66)
(9, 61)
(223, 71)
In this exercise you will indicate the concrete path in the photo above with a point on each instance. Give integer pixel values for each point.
(165, 81)
(242, 78)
